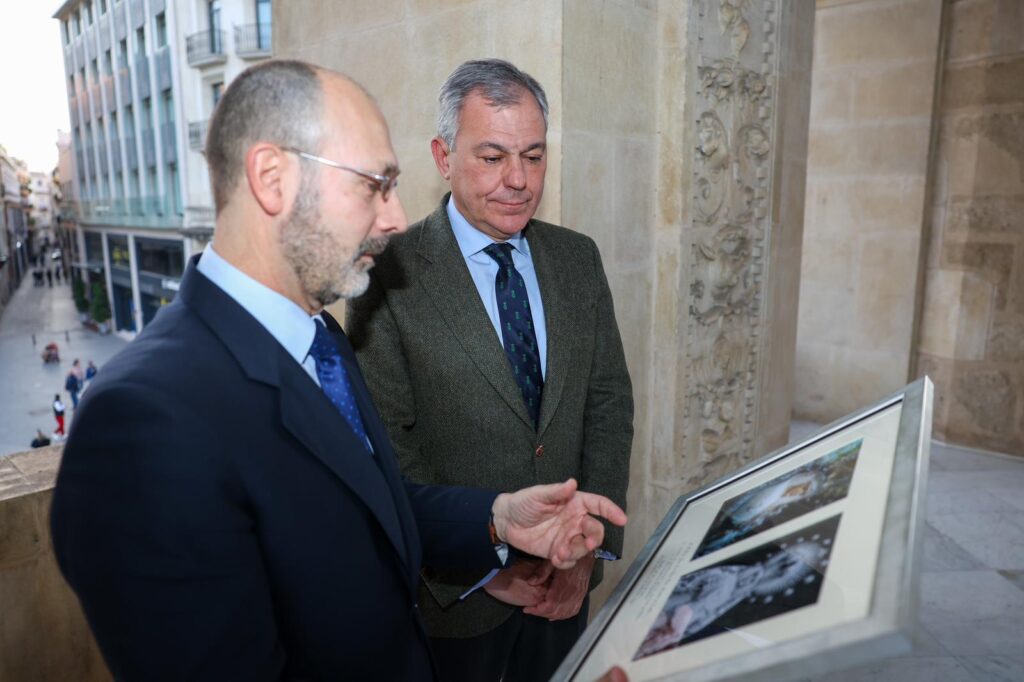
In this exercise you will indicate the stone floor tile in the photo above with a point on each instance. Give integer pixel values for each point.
(1015, 577)
(926, 645)
(943, 554)
(994, 668)
(1014, 498)
(1007, 479)
(973, 501)
(996, 539)
(920, 669)
(973, 613)
(953, 458)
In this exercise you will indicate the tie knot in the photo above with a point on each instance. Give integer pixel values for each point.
(502, 253)
(323, 349)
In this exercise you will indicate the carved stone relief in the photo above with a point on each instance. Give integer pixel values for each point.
(733, 151)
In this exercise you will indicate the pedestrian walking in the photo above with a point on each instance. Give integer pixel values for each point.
(90, 371)
(58, 414)
(74, 381)
(56, 274)
(49, 277)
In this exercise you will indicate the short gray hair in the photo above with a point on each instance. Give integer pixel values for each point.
(497, 81)
(278, 101)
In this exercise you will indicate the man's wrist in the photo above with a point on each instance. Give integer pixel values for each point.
(498, 521)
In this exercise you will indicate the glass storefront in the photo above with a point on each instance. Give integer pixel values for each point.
(121, 278)
(161, 265)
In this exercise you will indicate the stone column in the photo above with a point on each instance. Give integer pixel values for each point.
(678, 136)
(972, 327)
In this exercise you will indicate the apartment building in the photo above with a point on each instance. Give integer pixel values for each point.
(142, 78)
(14, 253)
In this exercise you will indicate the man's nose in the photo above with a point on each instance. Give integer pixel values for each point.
(515, 173)
(392, 217)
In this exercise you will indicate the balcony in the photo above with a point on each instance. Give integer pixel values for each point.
(205, 47)
(252, 41)
(197, 135)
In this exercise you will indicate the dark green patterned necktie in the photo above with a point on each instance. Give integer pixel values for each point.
(517, 331)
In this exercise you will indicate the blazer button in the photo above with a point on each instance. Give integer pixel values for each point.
(540, 451)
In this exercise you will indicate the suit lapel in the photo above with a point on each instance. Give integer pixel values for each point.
(447, 281)
(313, 420)
(305, 411)
(559, 315)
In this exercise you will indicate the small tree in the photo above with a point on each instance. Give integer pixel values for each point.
(78, 293)
(100, 308)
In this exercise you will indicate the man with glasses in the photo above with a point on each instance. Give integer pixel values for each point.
(229, 506)
(489, 342)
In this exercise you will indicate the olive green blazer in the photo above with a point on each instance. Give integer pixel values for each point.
(446, 392)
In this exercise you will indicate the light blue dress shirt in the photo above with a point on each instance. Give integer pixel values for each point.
(292, 326)
(484, 269)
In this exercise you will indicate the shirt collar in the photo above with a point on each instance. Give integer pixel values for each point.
(287, 322)
(472, 241)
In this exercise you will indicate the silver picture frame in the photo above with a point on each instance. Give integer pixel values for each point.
(718, 541)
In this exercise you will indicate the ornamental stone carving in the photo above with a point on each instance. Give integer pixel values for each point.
(733, 150)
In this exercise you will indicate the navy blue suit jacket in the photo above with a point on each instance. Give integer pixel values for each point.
(219, 520)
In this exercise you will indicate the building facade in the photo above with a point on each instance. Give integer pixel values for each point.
(14, 252)
(142, 78)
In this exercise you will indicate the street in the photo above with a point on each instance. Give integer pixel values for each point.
(27, 385)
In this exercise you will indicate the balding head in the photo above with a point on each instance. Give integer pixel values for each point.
(278, 101)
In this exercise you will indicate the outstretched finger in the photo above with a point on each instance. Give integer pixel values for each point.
(599, 505)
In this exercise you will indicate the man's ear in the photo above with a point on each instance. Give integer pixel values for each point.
(268, 172)
(439, 148)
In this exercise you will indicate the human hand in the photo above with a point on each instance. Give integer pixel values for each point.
(518, 585)
(566, 593)
(616, 674)
(554, 521)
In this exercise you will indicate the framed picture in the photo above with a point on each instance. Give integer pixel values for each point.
(800, 563)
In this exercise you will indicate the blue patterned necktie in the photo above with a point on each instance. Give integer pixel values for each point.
(517, 331)
(334, 380)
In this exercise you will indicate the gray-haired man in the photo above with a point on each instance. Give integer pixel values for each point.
(489, 343)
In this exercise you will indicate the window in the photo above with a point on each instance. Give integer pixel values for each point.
(108, 64)
(147, 114)
(122, 54)
(161, 30)
(95, 72)
(77, 22)
(263, 23)
(66, 30)
(87, 8)
(129, 117)
(216, 90)
(140, 41)
(103, 6)
(167, 107)
(213, 14)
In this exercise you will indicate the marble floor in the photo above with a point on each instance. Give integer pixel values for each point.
(971, 614)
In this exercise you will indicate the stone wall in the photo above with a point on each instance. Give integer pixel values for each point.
(972, 329)
(872, 98)
(43, 634)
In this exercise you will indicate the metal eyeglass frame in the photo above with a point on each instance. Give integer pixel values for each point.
(384, 183)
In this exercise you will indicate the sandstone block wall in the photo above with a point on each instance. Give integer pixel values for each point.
(872, 98)
(972, 327)
(43, 634)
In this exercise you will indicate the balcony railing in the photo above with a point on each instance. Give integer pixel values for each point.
(253, 40)
(197, 134)
(205, 47)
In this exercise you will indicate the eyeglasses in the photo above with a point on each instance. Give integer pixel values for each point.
(385, 183)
